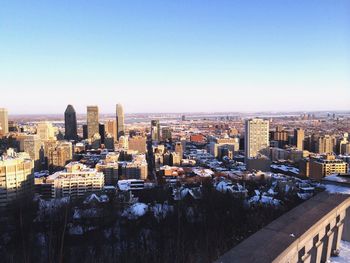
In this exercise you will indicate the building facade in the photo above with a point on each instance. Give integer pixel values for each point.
(155, 130)
(92, 121)
(136, 169)
(110, 168)
(4, 122)
(256, 137)
(111, 128)
(326, 144)
(299, 136)
(138, 143)
(120, 121)
(58, 153)
(70, 123)
(166, 134)
(45, 131)
(76, 180)
(16, 179)
(32, 146)
(327, 165)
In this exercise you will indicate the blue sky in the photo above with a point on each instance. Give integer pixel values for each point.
(175, 56)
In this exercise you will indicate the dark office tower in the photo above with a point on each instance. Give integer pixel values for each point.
(70, 123)
(101, 129)
(85, 131)
(155, 130)
(120, 120)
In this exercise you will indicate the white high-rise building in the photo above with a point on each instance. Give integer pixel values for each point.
(16, 178)
(4, 122)
(76, 180)
(256, 137)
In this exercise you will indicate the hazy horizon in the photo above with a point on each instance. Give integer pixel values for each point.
(192, 113)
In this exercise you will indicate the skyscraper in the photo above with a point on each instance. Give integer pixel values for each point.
(70, 123)
(45, 131)
(155, 130)
(256, 137)
(92, 121)
(4, 123)
(326, 144)
(102, 132)
(120, 121)
(299, 136)
(32, 146)
(111, 128)
(179, 149)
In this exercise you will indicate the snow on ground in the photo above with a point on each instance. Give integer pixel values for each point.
(123, 185)
(344, 256)
(336, 178)
(203, 172)
(136, 210)
(305, 196)
(76, 230)
(41, 239)
(160, 211)
(337, 189)
(264, 200)
(139, 209)
(94, 198)
(53, 203)
(49, 207)
(86, 213)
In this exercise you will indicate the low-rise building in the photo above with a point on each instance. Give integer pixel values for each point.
(76, 180)
(110, 168)
(217, 146)
(131, 185)
(327, 165)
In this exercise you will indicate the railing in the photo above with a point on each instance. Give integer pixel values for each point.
(310, 232)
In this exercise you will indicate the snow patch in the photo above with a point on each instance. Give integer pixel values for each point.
(135, 211)
(344, 256)
(336, 189)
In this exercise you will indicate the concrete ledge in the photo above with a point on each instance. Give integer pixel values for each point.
(290, 238)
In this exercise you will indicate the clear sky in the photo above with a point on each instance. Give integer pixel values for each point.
(175, 55)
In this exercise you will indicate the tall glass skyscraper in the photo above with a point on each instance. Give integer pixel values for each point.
(120, 120)
(92, 121)
(155, 130)
(70, 123)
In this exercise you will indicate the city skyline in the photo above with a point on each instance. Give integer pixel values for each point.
(278, 56)
(111, 114)
(175, 131)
